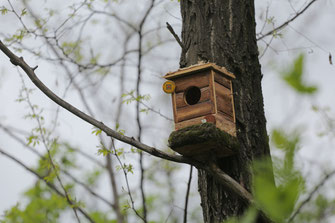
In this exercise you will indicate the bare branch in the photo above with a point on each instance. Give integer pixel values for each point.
(139, 124)
(52, 186)
(169, 27)
(288, 21)
(18, 61)
(187, 194)
(228, 182)
(316, 188)
(19, 140)
(46, 145)
(125, 173)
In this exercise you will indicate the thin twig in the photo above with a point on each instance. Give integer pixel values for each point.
(287, 22)
(316, 188)
(127, 183)
(138, 120)
(24, 144)
(187, 194)
(169, 27)
(229, 183)
(46, 145)
(109, 158)
(18, 61)
(52, 186)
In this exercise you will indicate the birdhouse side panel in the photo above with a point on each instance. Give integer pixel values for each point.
(224, 81)
(224, 100)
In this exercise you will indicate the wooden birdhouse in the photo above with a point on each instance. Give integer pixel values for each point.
(202, 93)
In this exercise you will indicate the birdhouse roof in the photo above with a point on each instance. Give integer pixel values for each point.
(196, 68)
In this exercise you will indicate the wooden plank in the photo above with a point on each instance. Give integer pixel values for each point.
(222, 80)
(213, 93)
(232, 100)
(225, 106)
(180, 100)
(189, 122)
(224, 100)
(225, 123)
(174, 107)
(192, 111)
(199, 80)
(221, 91)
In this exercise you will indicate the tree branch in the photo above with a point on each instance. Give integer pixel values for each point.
(18, 61)
(169, 27)
(24, 144)
(228, 182)
(316, 188)
(287, 22)
(187, 194)
(52, 186)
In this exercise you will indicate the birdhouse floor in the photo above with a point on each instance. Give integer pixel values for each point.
(203, 141)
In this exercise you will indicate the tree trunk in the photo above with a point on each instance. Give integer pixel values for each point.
(223, 32)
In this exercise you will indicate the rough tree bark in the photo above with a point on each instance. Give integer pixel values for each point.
(223, 31)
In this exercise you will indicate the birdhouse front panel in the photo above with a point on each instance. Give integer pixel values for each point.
(203, 93)
(192, 97)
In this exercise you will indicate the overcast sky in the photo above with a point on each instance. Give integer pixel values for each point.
(311, 34)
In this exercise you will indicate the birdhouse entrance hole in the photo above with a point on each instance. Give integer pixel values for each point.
(192, 95)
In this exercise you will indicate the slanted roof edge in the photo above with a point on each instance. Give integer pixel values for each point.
(196, 68)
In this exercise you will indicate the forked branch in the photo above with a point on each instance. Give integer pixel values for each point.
(287, 22)
(229, 183)
(18, 61)
(50, 185)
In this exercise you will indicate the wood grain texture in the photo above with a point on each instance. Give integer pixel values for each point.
(199, 80)
(193, 121)
(232, 99)
(225, 123)
(222, 121)
(224, 100)
(180, 100)
(213, 93)
(222, 80)
(196, 110)
(174, 107)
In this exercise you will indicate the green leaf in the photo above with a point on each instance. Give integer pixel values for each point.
(96, 132)
(277, 202)
(249, 216)
(293, 77)
(23, 12)
(3, 10)
(103, 151)
(288, 143)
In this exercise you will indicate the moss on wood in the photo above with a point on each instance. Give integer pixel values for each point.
(204, 139)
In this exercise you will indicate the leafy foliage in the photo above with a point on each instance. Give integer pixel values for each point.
(278, 201)
(293, 77)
